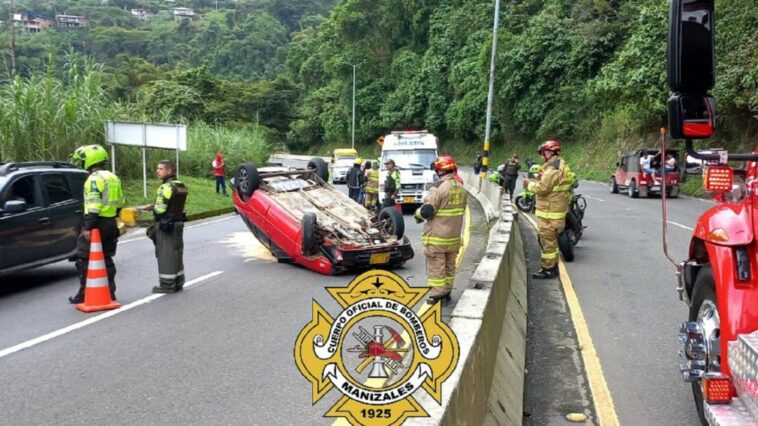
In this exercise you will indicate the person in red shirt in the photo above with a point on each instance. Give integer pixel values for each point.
(219, 172)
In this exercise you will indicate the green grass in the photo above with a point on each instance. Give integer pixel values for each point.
(202, 195)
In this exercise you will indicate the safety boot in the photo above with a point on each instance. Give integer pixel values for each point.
(439, 294)
(165, 289)
(545, 274)
(78, 298)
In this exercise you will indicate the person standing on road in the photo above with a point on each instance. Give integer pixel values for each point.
(372, 186)
(103, 198)
(478, 164)
(552, 203)
(391, 184)
(219, 172)
(510, 174)
(443, 211)
(167, 231)
(354, 180)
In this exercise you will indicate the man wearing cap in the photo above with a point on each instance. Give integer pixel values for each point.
(391, 184)
(354, 180)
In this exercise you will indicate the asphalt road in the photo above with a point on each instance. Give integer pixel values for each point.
(626, 289)
(221, 352)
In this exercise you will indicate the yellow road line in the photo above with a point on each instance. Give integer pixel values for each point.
(601, 395)
(375, 383)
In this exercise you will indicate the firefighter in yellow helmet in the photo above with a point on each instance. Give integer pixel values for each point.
(443, 211)
(552, 190)
(103, 198)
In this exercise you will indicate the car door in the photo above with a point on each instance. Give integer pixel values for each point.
(65, 208)
(23, 235)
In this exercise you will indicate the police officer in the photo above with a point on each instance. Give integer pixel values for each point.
(103, 198)
(552, 202)
(391, 184)
(443, 211)
(372, 186)
(510, 174)
(167, 232)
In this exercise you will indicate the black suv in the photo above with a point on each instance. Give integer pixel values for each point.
(41, 216)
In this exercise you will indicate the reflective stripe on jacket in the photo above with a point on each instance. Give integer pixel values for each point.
(552, 199)
(103, 194)
(442, 232)
(372, 181)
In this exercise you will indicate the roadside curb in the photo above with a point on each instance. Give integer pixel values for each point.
(194, 216)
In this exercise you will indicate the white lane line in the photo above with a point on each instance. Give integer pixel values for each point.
(680, 225)
(593, 198)
(131, 240)
(90, 321)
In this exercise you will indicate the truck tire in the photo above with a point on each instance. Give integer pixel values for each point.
(246, 180)
(319, 165)
(392, 222)
(632, 189)
(614, 186)
(703, 299)
(308, 232)
(565, 246)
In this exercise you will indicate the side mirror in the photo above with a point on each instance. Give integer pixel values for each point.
(15, 206)
(691, 44)
(691, 116)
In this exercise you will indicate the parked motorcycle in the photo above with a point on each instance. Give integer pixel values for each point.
(525, 200)
(574, 228)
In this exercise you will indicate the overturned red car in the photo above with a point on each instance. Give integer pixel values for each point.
(302, 219)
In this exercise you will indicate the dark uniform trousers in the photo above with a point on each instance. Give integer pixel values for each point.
(169, 250)
(109, 236)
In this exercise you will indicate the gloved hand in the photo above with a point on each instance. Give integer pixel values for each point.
(418, 217)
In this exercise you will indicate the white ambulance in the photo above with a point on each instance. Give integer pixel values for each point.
(414, 152)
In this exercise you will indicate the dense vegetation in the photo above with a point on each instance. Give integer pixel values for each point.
(589, 72)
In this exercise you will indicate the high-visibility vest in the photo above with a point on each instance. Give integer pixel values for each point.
(103, 194)
(170, 200)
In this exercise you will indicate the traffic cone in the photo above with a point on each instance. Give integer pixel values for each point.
(97, 293)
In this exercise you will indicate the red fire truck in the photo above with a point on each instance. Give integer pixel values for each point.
(719, 280)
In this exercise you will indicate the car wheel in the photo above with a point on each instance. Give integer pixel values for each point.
(319, 165)
(614, 187)
(632, 190)
(309, 238)
(565, 246)
(391, 221)
(246, 180)
(704, 310)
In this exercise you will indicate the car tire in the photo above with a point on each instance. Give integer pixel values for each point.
(246, 180)
(632, 190)
(308, 232)
(614, 186)
(565, 246)
(319, 165)
(703, 291)
(392, 222)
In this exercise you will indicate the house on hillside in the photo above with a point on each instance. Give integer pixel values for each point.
(183, 13)
(30, 22)
(70, 21)
(142, 14)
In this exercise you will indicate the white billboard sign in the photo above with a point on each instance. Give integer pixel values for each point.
(146, 135)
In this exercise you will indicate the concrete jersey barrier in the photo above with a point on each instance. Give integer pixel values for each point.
(487, 386)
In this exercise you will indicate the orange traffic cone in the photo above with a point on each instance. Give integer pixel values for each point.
(97, 293)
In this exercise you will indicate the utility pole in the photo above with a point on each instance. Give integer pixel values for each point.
(12, 26)
(352, 144)
(490, 92)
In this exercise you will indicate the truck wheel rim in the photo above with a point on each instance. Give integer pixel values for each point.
(708, 317)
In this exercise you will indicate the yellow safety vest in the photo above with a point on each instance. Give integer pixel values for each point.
(372, 184)
(103, 194)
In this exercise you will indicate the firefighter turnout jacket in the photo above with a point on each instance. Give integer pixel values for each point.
(442, 231)
(170, 200)
(103, 197)
(372, 182)
(552, 189)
